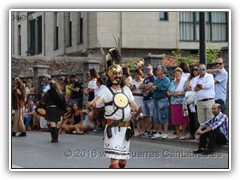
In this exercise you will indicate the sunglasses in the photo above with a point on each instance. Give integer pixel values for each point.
(195, 69)
(148, 69)
(218, 63)
(202, 69)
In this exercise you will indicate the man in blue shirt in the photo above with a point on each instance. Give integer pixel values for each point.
(76, 91)
(148, 102)
(220, 78)
(159, 88)
(215, 130)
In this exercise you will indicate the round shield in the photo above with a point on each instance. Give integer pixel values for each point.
(120, 100)
(41, 111)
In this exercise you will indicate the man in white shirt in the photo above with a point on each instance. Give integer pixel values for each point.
(99, 110)
(205, 94)
(46, 83)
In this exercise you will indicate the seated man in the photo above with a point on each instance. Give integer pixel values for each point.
(29, 114)
(215, 130)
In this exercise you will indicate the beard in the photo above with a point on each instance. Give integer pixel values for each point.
(117, 81)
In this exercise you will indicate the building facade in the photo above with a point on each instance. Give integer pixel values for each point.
(76, 33)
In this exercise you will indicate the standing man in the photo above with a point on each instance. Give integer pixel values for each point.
(98, 115)
(46, 83)
(220, 78)
(76, 91)
(215, 130)
(159, 89)
(119, 102)
(148, 101)
(205, 94)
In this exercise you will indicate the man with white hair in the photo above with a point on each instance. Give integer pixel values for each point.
(205, 94)
(160, 88)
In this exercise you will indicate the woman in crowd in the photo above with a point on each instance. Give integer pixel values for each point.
(19, 98)
(69, 126)
(127, 76)
(62, 84)
(66, 119)
(186, 70)
(177, 92)
(138, 96)
(67, 89)
(30, 90)
(92, 85)
(190, 97)
(55, 105)
(88, 123)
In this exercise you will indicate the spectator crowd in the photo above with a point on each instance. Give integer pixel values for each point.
(183, 101)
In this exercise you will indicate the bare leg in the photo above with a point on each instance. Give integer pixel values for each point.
(114, 163)
(122, 163)
(178, 130)
(165, 126)
(183, 133)
(159, 127)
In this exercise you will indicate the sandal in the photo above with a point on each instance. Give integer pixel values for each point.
(80, 133)
(182, 137)
(190, 137)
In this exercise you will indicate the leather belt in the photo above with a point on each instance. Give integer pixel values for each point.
(51, 106)
(137, 94)
(118, 123)
(160, 98)
(206, 99)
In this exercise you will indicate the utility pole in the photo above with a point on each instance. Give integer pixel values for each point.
(202, 38)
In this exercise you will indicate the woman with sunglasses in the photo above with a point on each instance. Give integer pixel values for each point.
(190, 93)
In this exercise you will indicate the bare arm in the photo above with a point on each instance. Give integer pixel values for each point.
(95, 102)
(188, 87)
(74, 89)
(134, 108)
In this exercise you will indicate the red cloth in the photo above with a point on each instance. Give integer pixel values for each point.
(177, 115)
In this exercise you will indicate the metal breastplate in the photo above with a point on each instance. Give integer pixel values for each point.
(120, 100)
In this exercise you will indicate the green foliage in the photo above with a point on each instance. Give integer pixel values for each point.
(188, 59)
(212, 54)
(130, 64)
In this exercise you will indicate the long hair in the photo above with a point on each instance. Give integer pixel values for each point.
(56, 95)
(191, 73)
(185, 67)
(93, 73)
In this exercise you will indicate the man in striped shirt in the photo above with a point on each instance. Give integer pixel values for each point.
(215, 130)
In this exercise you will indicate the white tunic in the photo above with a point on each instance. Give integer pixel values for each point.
(116, 147)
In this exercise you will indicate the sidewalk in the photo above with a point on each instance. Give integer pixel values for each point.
(193, 144)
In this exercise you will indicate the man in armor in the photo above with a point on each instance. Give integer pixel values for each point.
(119, 109)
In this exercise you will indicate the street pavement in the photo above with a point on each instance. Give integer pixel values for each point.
(86, 151)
